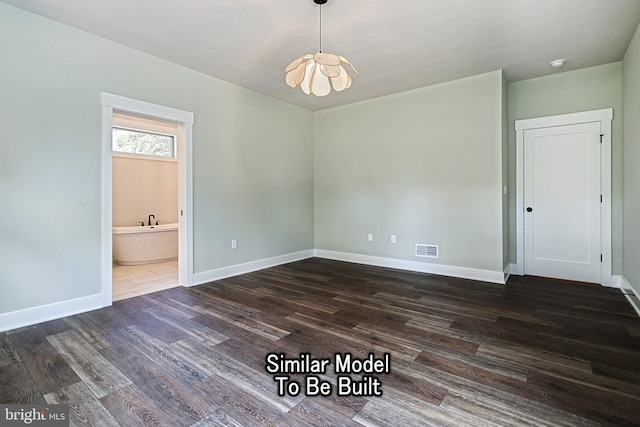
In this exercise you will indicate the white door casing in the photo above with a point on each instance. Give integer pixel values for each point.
(562, 202)
(110, 103)
(535, 129)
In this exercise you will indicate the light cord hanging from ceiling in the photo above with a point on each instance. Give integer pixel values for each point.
(317, 73)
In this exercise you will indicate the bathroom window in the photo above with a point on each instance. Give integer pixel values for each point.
(142, 142)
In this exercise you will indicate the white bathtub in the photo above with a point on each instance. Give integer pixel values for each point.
(145, 244)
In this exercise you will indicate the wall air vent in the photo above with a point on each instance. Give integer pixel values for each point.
(426, 251)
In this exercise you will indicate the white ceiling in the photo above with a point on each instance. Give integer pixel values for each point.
(395, 45)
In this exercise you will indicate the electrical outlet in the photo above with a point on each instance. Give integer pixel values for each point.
(393, 238)
(234, 244)
(370, 237)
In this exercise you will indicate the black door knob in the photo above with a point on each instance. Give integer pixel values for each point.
(529, 209)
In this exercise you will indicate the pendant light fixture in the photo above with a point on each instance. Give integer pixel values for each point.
(317, 73)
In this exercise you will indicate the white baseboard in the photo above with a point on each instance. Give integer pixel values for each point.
(507, 272)
(632, 294)
(624, 284)
(616, 282)
(235, 270)
(44, 313)
(31, 316)
(422, 267)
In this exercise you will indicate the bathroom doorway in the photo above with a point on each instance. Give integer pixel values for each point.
(145, 205)
(114, 109)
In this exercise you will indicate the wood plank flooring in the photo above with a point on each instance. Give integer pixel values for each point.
(535, 352)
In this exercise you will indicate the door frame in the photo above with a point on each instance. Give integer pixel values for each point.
(603, 116)
(110, 103)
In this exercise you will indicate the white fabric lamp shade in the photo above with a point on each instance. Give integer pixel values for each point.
(317, 73)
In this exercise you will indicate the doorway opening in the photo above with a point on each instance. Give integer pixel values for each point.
(145, 205)
(121, 111)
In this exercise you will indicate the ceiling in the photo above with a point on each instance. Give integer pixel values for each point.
(395, 45)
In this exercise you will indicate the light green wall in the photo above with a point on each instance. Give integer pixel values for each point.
(570, 92)
(424, 165)
(252, 165)
(631, 90)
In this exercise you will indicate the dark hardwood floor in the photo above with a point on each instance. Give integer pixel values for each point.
(534, 352)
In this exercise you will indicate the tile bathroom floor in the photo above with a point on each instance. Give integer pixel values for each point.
(135, 280)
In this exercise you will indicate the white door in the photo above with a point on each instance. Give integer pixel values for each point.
(562, 202)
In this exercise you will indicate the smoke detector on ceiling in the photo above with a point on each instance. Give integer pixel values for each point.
(557, 63)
